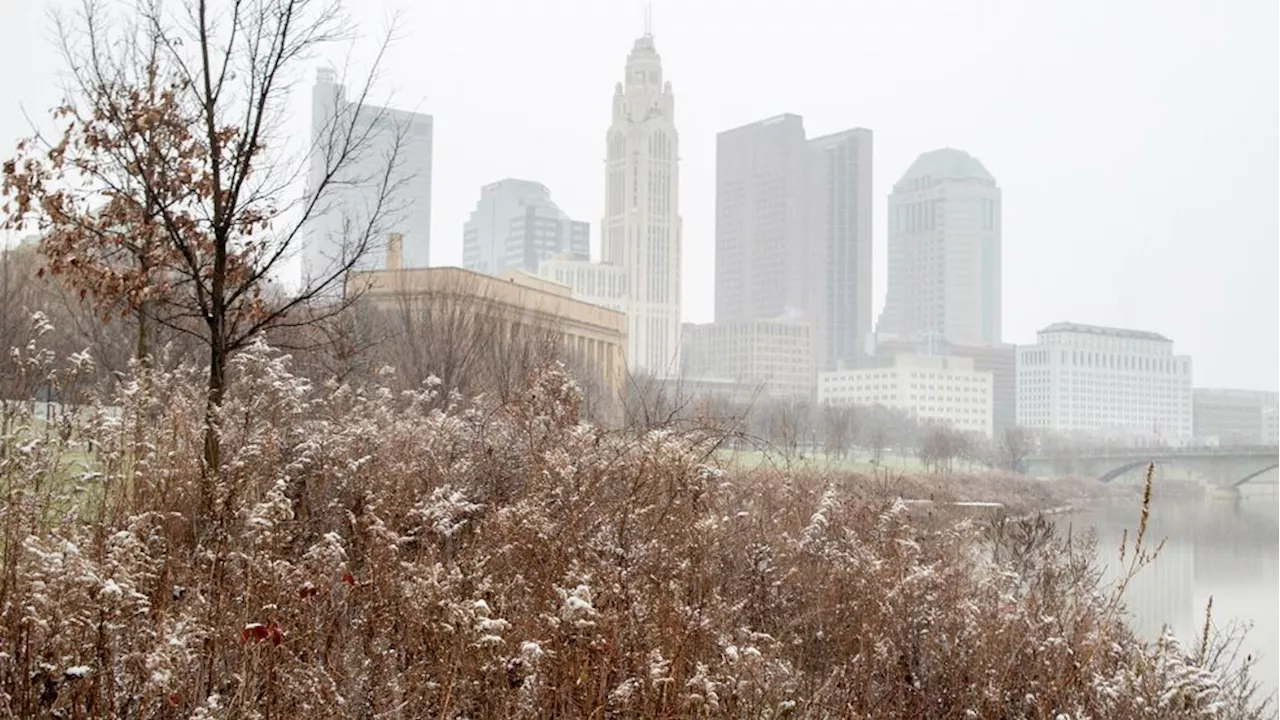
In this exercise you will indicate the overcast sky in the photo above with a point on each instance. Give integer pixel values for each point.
(1137, 143)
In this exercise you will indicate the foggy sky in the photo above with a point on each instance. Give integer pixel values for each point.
(1137, 143)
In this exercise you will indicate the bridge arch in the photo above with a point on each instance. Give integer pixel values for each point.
(1253, 475)
(1114, 473)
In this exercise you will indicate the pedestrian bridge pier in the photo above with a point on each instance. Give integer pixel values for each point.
(1228, 468)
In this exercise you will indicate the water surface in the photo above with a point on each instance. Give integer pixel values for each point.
(1225, 549)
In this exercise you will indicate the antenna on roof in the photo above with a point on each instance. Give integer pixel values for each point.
(648, 19)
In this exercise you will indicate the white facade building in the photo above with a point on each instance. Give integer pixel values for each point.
(931, 388)
(597, 283)
(1271, 427)
(944, 251)
(515, 224)
(358, 140)
(1106, 382)
(640, 232)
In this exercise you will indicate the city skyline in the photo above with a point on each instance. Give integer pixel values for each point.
(1095, 132)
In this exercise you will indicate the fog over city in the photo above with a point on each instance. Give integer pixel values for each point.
(650, 358)
(1135, 143)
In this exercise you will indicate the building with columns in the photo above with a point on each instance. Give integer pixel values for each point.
(592, 337)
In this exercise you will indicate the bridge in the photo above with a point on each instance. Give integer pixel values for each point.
(1225, 467)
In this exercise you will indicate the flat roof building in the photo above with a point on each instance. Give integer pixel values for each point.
(776, 355)
(600, 284)
(353, 202)
(931, 388)
(999, 359)
(1234, 417)
(1109, 382)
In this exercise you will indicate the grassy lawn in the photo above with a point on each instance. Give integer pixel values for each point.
(750, 459)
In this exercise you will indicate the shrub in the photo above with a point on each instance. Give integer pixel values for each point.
(369, 553)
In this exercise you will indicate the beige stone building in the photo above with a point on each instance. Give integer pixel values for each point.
(594, 336)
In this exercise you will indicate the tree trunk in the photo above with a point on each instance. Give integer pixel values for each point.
(141, 351)
(213, 403)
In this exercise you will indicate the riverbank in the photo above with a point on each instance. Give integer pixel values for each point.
(970, 490)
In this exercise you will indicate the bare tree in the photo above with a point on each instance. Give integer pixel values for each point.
(981, 451)
(884, 428)
(168, 188)
(940, 445)
(1015, 445)
(839, 428)
(447, 329)
(877, 432)
(649, 402)
(346, 346)
(785, 423)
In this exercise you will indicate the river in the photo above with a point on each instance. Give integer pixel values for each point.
(1227, 549)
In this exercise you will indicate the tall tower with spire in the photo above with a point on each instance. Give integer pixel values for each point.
(641, 227)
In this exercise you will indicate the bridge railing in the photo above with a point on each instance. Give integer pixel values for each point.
(1163, 452)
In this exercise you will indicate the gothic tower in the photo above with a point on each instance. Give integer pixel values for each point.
(641, 227)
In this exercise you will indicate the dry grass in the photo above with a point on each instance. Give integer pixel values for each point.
(372, 555)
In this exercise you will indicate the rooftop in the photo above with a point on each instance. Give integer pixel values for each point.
(790, 120)
(1070, 327)
(948, 164)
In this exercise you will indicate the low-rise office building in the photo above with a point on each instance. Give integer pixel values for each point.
(1105, 382)
(1271, 427)
(1224, 416)
(999, 359)
(932, 388)
(774, 355)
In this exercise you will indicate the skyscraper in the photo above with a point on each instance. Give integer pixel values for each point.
(944, 251)
(763, 255)
(793, 230)
(516, 225)
(839, 197)
(641, 226)
(354, 143)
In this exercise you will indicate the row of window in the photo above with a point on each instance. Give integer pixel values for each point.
(1107, 361)
(868, 376)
